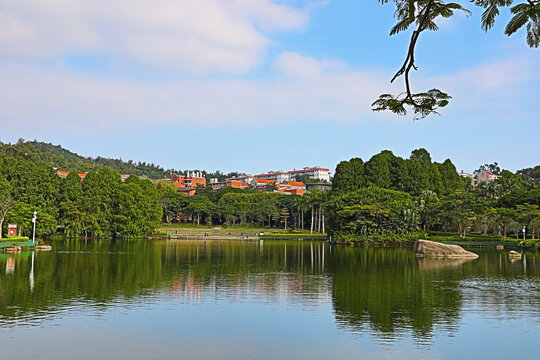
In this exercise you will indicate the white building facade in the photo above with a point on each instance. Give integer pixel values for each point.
(316, 173)
(281, 177)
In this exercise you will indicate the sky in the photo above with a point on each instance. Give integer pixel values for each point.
(259, 85)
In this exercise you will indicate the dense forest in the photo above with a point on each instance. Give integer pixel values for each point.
(55, 156)
(386, 198)
(389, 198)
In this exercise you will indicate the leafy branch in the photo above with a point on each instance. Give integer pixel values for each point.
(423, 13)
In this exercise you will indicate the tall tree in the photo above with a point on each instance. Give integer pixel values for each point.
(6, 202)
(349, 175)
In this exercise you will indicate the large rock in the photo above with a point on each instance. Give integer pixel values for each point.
(434, 249)
(13, 249)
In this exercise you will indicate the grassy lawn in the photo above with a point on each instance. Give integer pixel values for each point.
(190, 229)
(480, 239)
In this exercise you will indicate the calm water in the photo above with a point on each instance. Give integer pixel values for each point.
(272, 300)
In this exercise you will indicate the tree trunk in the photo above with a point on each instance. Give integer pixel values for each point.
(302, 219)
(320, 218)
(324, 232)
(1, 223)
(198, 219)
(504, 232)
(312, 214)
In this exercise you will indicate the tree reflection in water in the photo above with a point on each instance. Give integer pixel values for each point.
(385, 292)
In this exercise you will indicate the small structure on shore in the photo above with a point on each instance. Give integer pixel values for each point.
(426, 248)
(514, 255)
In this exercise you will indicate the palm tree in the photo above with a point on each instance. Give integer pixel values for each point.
(323, 199)
(302, 205)
(311, 199)
(315, 199)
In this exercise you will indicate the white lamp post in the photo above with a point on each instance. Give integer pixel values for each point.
(34, 232)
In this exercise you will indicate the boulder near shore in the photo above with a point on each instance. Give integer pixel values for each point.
(426, 248)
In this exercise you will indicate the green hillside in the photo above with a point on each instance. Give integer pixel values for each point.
(62, 159)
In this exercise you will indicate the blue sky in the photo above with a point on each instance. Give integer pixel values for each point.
(258, 85)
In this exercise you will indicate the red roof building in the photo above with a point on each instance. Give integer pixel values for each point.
(229, 183)
(189, 181)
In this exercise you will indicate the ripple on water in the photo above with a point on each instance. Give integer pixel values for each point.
(499, 298)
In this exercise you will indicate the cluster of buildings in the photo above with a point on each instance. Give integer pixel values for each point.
(284, 182)
(280, 177)
(281, 181)
(483, 176)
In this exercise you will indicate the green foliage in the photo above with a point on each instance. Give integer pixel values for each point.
(531, 175)
(384, 199)
(423, 103)
(371, 211)
(439, 199)
(54, 156)
(388, 171)
(349, 176)
(101, 205)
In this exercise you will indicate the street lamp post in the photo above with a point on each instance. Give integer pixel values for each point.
(34, 232)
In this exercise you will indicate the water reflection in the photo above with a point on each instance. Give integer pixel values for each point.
(387, 293)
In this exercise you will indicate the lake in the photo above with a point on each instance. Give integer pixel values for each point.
(190, 299)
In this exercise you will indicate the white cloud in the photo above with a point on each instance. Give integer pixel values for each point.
(68, 102)
(492, 76)
(63, 101)
(296, 65)
(189, 35)
(503, 90)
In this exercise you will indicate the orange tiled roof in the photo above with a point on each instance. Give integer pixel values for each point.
(295, 183)
(62, 172)
(265, 181)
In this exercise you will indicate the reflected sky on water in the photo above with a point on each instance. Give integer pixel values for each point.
(265, 300)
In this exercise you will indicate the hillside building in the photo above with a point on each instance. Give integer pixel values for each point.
(228, 183)
(485, 176)
(316, 173)
(193, 180)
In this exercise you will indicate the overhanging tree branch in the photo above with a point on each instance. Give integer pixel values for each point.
(424, 13)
